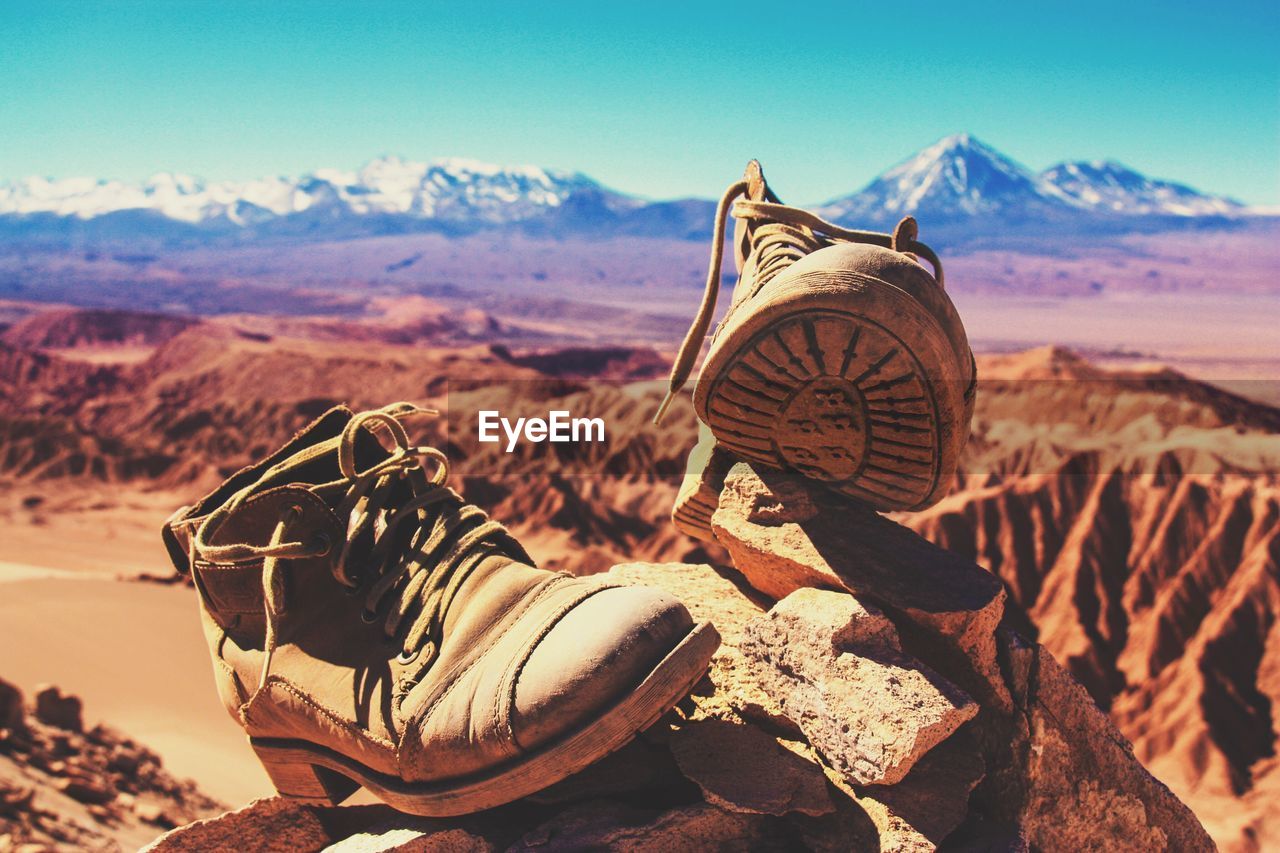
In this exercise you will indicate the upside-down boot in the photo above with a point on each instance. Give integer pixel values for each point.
(840, 358)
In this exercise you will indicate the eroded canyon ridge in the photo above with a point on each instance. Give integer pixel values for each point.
(1133, 516)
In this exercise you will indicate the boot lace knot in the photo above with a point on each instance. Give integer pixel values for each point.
(413, 539)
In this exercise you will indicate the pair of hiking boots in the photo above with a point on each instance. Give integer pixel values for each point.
(369, 628)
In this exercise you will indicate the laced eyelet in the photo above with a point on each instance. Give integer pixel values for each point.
(352, 589)
(404, 659)
(291, 514)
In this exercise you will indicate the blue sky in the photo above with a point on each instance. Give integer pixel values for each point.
(661, 100)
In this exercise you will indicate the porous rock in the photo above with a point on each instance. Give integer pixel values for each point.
(730, 690)
(837, 670)
(933, 799)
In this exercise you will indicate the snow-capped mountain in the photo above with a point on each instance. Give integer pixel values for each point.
(956, 178)
(959, 188)
(961, 179)
(1109, 186)
(451, 190)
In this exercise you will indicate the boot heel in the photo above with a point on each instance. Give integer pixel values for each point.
(294, 776)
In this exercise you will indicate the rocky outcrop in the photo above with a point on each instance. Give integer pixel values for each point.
(784, 535)
(891, 708)
(1134, 516)
(65, 787)
(1158, 591)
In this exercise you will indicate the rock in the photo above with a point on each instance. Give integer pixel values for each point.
(86, 790)
(848, 828)
(742, 768)
(933, 799)
(1084, 782)
(54, 708)
(785, 533)
(12, 707)
(731, 690)
(830, 720)
(68, 791)
(290, 826)
(893, 832)
(15, 799)
(701, 826)
(837, 670)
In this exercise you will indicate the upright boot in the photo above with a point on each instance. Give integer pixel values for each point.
(840, 357)
(370, 628)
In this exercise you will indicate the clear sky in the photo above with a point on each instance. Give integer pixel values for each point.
(656, 99)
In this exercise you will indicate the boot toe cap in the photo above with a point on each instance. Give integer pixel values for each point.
(593, 656)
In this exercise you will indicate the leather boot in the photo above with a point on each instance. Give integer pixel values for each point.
(841, 357)
(370, 628)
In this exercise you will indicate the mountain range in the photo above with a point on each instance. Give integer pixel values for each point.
(958, 183)
(961, 178)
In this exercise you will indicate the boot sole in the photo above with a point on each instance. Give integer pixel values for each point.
(827, 378)
(313, 774)
(699, 494)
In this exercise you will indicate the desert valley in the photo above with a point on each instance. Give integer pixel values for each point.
(1121, 479)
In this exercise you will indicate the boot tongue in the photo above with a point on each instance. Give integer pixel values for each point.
(311, 459)
(757, 189)
(326, 427)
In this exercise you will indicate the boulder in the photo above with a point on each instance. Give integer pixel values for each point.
(57, 709)
(836, 668)
(12, 707)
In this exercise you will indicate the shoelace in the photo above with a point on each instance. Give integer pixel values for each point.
(426, 574)
(786, 235)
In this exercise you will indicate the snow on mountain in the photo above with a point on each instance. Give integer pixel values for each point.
(961, 178)
(959, 184)
(451, 190)
(1109, 186)
(956, 178)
